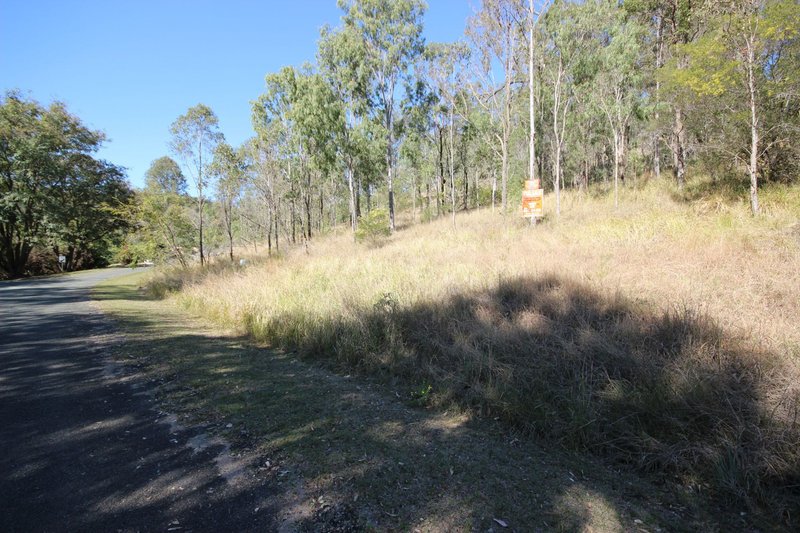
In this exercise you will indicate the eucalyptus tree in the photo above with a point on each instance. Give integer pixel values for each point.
(264, 171)
(755, 30)
(447, 70)
(317, 114)
(494, 32)
(684, 22)
(195, 134)
(228, 169)
(617, 83)
(566, 47)
(280, 104)
(418, 108)
(738, 62)
(343, 64)
(160, 216)
(654, 16)
(391, 36)
(296, 124)
(165, 175)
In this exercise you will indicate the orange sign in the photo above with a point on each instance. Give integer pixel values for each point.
(532, 199)
(532, 207)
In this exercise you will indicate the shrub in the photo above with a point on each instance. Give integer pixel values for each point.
(373, 228)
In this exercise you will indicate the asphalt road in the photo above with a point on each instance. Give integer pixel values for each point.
(82, 447)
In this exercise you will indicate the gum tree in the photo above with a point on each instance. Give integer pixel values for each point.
(194, 137)
(391, 36)
(495, 34)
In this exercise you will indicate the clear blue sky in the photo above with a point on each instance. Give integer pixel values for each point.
(130, 68)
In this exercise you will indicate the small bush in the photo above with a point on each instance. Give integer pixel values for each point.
(373, 228)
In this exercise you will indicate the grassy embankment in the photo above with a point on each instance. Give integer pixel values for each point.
(664, 334)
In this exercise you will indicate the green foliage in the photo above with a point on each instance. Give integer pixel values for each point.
(194, 136)
(391, 36)
(229, 169)
(373, 228)
(165, 175)
(422, 396)
(164, 231)
(55, 195)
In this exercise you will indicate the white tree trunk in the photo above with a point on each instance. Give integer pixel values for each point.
(751, 85)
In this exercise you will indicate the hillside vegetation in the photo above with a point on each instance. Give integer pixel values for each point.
(663, 334)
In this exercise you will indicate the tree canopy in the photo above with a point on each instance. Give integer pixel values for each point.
(57, 198)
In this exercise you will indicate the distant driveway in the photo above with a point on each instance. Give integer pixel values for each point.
(81, 449)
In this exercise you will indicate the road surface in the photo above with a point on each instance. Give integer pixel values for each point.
(81, 448)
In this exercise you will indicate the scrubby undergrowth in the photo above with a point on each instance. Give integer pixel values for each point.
(664, 334)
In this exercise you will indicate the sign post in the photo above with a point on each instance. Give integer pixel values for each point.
(532, 200)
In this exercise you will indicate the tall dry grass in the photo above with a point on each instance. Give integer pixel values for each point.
(664, 334)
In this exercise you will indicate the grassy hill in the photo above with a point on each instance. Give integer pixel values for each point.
(662, 335)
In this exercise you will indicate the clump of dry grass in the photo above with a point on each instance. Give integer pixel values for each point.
(664, 334)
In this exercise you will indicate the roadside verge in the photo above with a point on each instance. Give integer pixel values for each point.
(346, 453)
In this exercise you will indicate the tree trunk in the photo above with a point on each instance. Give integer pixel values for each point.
(586, 175)
(751, 85)
(509, 72)
(428, 197)
(414, 193)
(202, 256)
(16, 255)
(531, 107)
(293, 217)
(357, 182)
(440, 176)
(556, 141)
(616, 168)
(659, 60)
(353, 210)
(557, 176)
(623, 153)
(321, 208)
(200, 200)
(277, 227)
(390, 162)
(679, 148)
(269, 237)
(466, 176)
(494, 190)
(452, 166)
(229, 228)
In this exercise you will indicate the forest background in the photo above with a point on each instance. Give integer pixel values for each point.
(579, 95)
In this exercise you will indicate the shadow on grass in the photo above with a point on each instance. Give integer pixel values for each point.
(670, 393)
(728, 190)
(667, 392)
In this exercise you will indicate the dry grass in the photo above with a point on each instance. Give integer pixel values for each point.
(664, 334)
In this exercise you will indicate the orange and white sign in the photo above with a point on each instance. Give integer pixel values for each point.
(532, 199)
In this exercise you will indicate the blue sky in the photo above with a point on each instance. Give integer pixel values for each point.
(130, 68)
